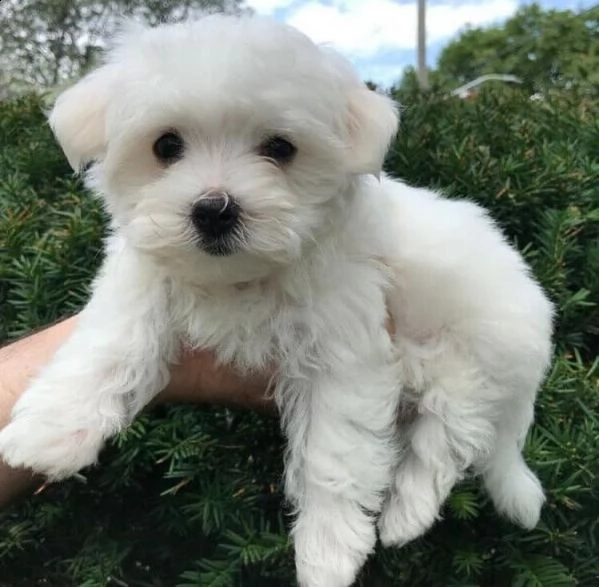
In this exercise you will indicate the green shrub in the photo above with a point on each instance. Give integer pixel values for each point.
(190, 496)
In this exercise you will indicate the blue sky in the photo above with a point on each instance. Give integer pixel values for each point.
(379, 36)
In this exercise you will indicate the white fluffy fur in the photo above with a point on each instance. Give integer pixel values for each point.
(328, 250)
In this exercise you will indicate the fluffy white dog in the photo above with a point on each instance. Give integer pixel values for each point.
(239, 164)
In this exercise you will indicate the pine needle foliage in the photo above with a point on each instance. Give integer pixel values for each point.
(191, 496)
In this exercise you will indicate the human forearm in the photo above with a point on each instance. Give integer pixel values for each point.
(196, 379)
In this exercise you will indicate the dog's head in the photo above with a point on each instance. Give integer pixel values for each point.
(223, 144)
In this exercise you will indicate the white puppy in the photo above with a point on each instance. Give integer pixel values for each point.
(238, 162)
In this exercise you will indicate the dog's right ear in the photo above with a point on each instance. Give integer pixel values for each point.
(373, 122)
(78, 117)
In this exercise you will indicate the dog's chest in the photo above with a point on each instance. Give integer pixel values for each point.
(321, 319)
(249, 328)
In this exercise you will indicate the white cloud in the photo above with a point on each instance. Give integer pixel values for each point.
(379, 36)
(363, 28)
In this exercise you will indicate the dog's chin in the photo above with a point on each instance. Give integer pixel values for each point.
(219, 248)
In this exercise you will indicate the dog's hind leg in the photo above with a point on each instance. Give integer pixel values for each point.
(513, 487)
(454, 429)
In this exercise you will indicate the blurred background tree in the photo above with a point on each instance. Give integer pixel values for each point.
(547, 49)
(46, 42)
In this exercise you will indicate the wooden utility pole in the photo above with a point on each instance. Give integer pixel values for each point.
(422, 70)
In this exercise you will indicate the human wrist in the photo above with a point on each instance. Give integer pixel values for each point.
(22, 360)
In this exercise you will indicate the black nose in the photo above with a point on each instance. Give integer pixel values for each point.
(215, 214)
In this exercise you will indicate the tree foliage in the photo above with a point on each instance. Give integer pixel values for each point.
(191, 496)
(547, 49)
(45, 42)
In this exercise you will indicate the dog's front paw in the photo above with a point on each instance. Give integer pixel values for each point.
(331, 550)
(53, 440)
(49, 448)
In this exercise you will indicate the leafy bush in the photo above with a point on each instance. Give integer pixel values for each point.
(190, 496)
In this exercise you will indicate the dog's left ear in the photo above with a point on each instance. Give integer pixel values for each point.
(373, 122)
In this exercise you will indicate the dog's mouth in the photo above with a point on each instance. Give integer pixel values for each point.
(220, 248)
(223, 245)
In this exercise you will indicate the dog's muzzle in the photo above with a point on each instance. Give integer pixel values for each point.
(216, 218)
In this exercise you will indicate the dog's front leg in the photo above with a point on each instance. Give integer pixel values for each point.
(112, 365)
(340, 456)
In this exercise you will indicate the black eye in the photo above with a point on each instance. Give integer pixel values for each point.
(169, 147)
(278, 149)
